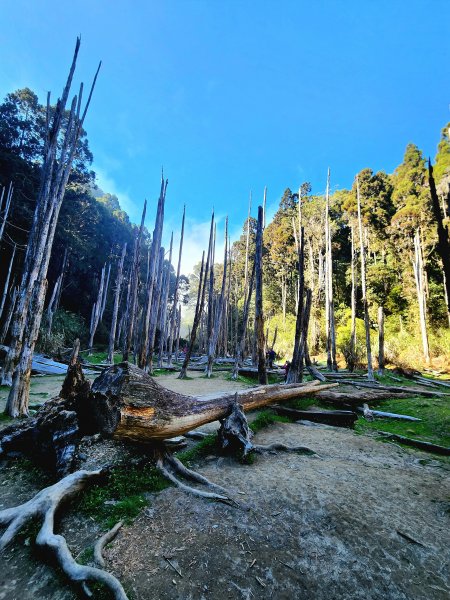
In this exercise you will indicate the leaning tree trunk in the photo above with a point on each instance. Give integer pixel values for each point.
(259, 318)
(363, 286)
(9, 315)
(173, 317)
(4, 210)
(59, 152)
(128, 404)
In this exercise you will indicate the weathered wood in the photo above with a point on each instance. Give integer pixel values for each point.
(370, 375)
(8, 276)
(117, 292)
(380, 341)
(389, 415)
(163, 324)
(339, 418)
(9, 315)
(329, 301)
(174, 314)
(4, 210)
(352, 358)
(427, 446)
(96, 310)
(295, 373)
(128, 403)
(419, 278)
(259, 318)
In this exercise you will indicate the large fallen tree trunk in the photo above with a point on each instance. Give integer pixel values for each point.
(128, 404)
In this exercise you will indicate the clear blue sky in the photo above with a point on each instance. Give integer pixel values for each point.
(231, 95)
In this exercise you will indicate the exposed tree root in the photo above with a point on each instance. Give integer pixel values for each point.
(102, 541)
(277, 447)
(45, 504)
(166, 464)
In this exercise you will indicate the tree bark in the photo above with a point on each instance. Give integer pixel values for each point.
(380, 341)
(163, 325)
(421, 297)
(117, 292)
(352, 364)
(259, 317)
(331, 332)
(370, 375)
(174, 314)
(8, 276)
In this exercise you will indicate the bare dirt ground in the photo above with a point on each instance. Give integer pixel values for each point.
(361, 520)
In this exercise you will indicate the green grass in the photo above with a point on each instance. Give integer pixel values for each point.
(99, 357)
(121, 497)
(204, 447)
(434, 412)
(266, 418)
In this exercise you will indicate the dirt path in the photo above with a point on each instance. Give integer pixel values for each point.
(324, 527)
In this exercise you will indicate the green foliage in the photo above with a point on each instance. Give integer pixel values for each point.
(204, 447)
(266, 418)
(122, 495)
(66, 328)
(442, 160)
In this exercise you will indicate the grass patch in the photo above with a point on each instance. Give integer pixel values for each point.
(121, 497)
(434, 426)
(200, 450)
(266, 418)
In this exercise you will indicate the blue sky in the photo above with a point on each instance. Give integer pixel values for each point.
(231, 95)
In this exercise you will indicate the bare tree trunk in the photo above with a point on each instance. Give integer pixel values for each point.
(421, 298)
(156, 304)
(259, 318)
(163, 311)
(331, 330)
(96, 310)
(447, 300)
(247, 245)
(134, 284)
(105, 293)
(177, 336)
(352, 365)
(4, 211)
(380, 341)
(9, 315)
(154, 258)
(370, 375)
(119, 279)
(8, 276)
(173, 320)
(295, 373)
(211, 295)
(219, 312)
(59, 152)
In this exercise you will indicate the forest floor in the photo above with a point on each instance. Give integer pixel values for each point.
(363, 519)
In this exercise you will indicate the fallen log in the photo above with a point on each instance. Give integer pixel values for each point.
(397, 389)
(338, 418)
(354, 398)
(428, 446)
(389, 415)
(127, 403)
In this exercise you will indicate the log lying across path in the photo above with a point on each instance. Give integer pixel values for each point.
(128, 404)
(338, 418)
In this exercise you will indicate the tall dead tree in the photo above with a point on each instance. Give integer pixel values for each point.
(259, 317)
(370, 375)
(247, 244)
(211, 294)
(117, 292)
(380, 340)
(329, 302)
(60, 145)
(8, 277)
(154, 258)
(200, 301)
(295, 373)
(352, 358)
(156, 305)
(96, 310)
(105, 293)
(173, 317)
(214, 336)
(9, 314)
(163, 310)
(56, 295)
(419, 278)
(133, 289)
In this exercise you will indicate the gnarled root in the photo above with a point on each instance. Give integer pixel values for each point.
(102, 541)
(45, 503)
(277, 447)
(167, 464)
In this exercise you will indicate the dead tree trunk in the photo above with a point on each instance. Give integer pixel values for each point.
(352, 361)
(128, 404)
(156, 304)
(8, 276)
(163, 310)
(247, 245)
(380, 341)
(96, 311)
(4, 211)
(154, 258)
(105, 294)
(259, 317)
(421, 297)
(133, 289)
(331, 330)
(9, 315)
(240, 341)
(58, 157)
(56, 296)
(295, 373)
(200, 302)
(363, 286)
(212, 346)
(173, 318)
(211, 295)
(112, 333)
